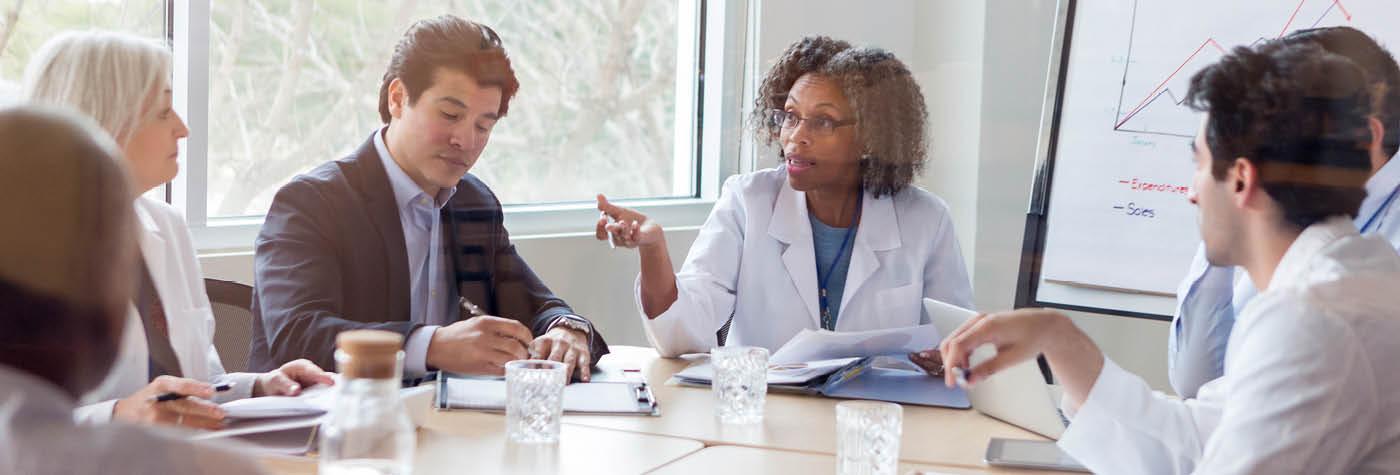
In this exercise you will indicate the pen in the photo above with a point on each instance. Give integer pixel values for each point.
(173, 396)
(474, 311)
(471, 308)
(611, 244)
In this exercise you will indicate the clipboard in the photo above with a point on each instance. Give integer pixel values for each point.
(890, 378)
(608, 397)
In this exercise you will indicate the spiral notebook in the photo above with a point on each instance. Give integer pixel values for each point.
(603, 395)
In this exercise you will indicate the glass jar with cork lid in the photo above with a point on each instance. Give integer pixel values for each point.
(368, 431)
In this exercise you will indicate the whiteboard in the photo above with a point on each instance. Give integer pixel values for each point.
(1110, 228)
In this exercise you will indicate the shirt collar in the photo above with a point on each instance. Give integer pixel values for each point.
(143, 216)
(405, 190)
(1294, 265)
(1378, 188)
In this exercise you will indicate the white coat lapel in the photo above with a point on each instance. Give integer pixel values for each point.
(878, 231)
(156, 252)
(790, 226)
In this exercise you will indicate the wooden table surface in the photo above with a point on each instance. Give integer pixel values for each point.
(949, 437)
(797, 435)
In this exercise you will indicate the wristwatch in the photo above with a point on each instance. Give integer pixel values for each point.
(576, 323)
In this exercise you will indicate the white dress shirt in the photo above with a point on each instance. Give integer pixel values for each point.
(1310, 384)
(40, 437)
(754, 259)
(1210, 297)
(168, 251)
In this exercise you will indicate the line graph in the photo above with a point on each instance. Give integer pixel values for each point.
(1152, 114)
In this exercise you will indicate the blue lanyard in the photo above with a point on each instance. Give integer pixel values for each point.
(828, 322)
(1379, 210)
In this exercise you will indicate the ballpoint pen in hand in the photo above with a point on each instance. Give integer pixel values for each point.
(171, 396)
(469, 309)
(611, 243)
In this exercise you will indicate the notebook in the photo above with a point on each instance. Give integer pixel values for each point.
(608, 396)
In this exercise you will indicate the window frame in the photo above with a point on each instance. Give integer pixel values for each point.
(714, 137)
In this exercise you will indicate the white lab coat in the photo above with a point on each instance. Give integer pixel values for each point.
(754, 258)
(169, 253)
(1309, 386)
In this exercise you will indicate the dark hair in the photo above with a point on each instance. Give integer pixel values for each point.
(47, 336)
(1381, 71)
(448, 42)
(889, 107)
(1299, 114)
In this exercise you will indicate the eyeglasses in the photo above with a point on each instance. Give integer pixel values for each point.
(821, 126)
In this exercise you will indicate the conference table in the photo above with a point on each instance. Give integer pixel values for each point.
(798, 434)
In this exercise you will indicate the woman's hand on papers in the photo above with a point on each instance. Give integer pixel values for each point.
(930, 360)
(193, 411)
(289, 379)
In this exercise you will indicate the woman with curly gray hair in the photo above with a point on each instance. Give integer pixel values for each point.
(833, 238)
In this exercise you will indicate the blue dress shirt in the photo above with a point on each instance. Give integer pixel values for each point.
(431, 284)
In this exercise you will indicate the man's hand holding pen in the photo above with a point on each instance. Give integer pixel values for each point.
(483, 344)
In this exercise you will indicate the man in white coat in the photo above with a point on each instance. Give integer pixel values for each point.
(1309, 387)
(1210, 296)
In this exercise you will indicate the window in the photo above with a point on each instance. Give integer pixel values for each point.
(294, 84)
(612, 98)
(27, 25)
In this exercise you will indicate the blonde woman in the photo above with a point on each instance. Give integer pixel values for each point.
(123, 82)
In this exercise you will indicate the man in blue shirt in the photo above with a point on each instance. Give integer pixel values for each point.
(1210, 297)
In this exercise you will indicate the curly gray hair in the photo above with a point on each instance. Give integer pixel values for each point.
(889, 106)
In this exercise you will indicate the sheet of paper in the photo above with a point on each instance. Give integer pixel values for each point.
(295, 441)
(254, 426)
(796, 373)
(814, 345)
(945, 316)
(312, 401)
(490, 394)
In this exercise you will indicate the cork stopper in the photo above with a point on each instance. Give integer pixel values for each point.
(372, 354)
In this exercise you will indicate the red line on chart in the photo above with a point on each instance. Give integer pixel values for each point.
(1208, 41)
(1345, 13)
(1211, 41)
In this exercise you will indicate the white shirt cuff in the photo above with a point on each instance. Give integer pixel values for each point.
(242, 386)
(415, 351)
(95, 413)
(1095, 419)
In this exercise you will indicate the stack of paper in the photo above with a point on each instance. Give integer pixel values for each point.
(797, 374)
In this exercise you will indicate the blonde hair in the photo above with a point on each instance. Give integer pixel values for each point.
(105, 75)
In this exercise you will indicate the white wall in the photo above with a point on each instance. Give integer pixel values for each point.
(981, 66)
